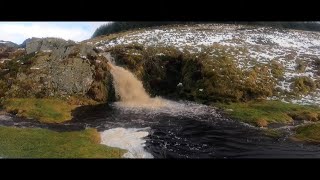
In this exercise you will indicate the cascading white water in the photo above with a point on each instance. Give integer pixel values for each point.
(131, 90)
(132, 95)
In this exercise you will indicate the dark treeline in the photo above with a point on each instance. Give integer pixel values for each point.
(124, 26)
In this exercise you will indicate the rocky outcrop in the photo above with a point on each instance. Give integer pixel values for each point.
(57, 68)
(74, 77)
(46, 44)
(57, 78)
(24, 43)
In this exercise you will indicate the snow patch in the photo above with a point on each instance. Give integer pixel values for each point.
(248, 45)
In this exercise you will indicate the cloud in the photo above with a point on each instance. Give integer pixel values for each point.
(17, 32)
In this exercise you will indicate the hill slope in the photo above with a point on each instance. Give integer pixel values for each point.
(291, 56)
(206, 62)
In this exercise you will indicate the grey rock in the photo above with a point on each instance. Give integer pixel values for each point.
(87, 50)
(62, 52)
(61, 68)
(24, 43)
(8, 44)
(73, 78)
(45, 44)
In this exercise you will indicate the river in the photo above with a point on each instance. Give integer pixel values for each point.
(159, 128)
(180, 130)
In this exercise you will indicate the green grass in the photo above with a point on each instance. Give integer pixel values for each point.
(43, 110)
(308, 133)
(42, 143)
(273, 133)
(254, 112)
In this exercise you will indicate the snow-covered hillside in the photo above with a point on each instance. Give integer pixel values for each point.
(248, 45)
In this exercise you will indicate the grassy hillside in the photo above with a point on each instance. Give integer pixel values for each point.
(116, 27)
(234, 62)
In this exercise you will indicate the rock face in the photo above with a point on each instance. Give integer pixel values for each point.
(55, 78)
(24, 43)
(46, 44)
(54, 67)
(75, 77)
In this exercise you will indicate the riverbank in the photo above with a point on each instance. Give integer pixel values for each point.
(266, 113)
(273, 115)
(43, 143)
(182, 130)
(45, 110)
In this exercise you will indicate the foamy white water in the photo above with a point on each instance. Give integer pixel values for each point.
(172, 108)
(130, 139)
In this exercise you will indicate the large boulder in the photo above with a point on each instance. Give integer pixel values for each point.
(58, 68)
(73, 77)
(46, 44)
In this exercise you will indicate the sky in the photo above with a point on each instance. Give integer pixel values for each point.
(17, 32)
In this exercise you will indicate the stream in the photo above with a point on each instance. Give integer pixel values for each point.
(179, 130)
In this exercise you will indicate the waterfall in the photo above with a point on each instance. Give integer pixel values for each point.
(131, 91)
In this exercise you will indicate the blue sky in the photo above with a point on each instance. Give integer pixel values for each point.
(17, 32)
